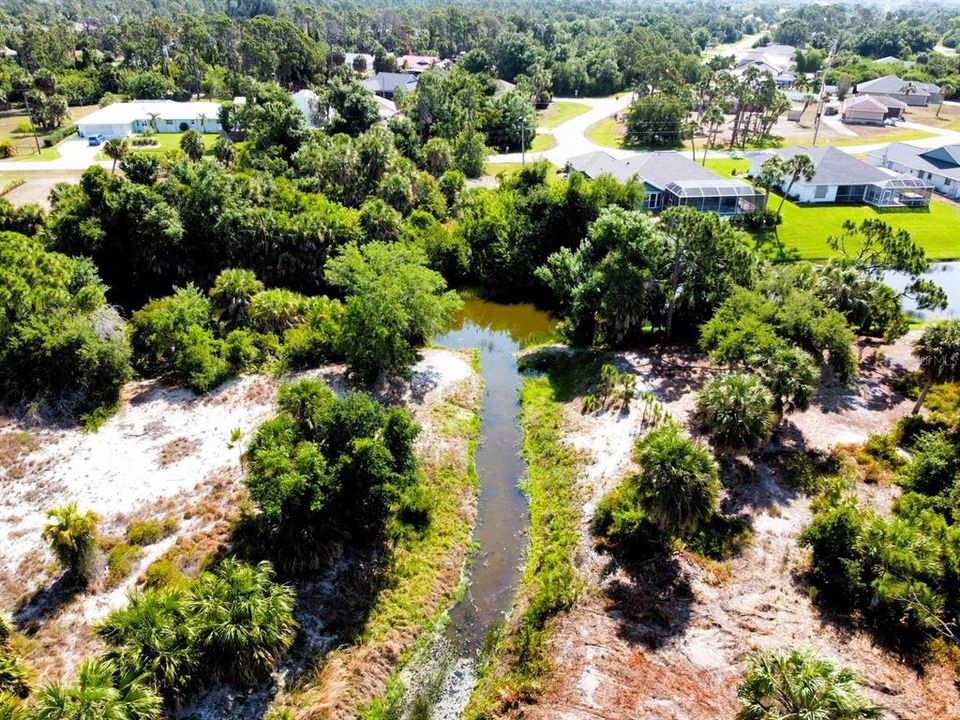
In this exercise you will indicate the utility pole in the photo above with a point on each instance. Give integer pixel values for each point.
(36, 138)
(523, 141)
(823, 84)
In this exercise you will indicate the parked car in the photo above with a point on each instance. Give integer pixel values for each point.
(94, 140)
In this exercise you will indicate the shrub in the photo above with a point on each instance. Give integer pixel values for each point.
(326, 465)
(736, 411)
(72, 537)
(232, 293)
(120, 562)
(837, 561)
(675, 490)
(783, 685)
(148, 532)
(934, 466)
(59, 134)
(24, 127)
(273, 311)
(317, 340)
(6, 149)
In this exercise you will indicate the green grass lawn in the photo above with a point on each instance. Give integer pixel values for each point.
(893, 136)
(803, 233)
(167, 142)
(607, 132)
(559, 112)
(542, 142)
(507, 169)
(9, 181)
(46, 153)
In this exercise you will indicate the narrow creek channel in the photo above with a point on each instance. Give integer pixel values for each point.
(496, 330)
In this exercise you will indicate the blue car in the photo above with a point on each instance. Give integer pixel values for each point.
(94, 140)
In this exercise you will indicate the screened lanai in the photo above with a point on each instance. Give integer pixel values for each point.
(902, 191)
(725, 197)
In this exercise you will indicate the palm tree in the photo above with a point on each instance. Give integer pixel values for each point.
(678, 479)
(232, 292)
(72, 537)
(691, 128)
(938, 350)
(224, 151)
(245, 620)
(101, 692)
(908, 88)
(191, 142)
(152, 635)
(791, 375)
(11, 707)
(798, 684)
(795, 167)
(713, 116)
(772, 173)
(153, 120)
(736, 410)
(945, 90)
(115, 149)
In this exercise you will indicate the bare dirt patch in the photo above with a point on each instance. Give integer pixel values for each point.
(665, 637)
(165, 454)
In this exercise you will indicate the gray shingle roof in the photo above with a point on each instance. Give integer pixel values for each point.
(894, 85)
(388, 82)
(925, 160)
(835, 167)
(657, 169)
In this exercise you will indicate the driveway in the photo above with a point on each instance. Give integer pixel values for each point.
(75, 154)
(36, 186)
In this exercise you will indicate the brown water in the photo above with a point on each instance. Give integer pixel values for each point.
(496, 330)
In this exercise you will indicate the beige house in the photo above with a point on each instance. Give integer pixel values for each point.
(872, 110)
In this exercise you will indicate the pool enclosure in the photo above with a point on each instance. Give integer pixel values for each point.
(724, 197)
(903, 191)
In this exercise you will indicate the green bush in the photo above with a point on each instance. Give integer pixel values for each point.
(59, 134)
(231, 624)
(934, 465)
(72, 537)
(736, 411)
(837, 563)
(120, 562)
(326, 465)
(148, 532)
(6, 149)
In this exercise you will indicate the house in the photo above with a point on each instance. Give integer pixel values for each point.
(385, 84)
(165, 116)
(891, 60)
(386, 108)
(671, 179)
(365, 60)
(940, 167)
(780, 57)
(911, 92)
(417, 63)
(502, 87)
(841, 178)
(872, 110)
(306, 102)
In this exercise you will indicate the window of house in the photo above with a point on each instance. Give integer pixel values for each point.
(946, 181)
(169, 123)
(820, 192)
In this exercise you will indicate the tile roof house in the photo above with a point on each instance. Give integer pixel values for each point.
(841, 178)
(417, 63)
(670, 178)
(939, 167)
(166, 116)
(872, 110)
(385, 84)
(911, 92)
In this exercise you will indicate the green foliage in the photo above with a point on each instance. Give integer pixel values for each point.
(101, 690)
(783, 685)
(736, 411)
(72, 536)
(59, 343)
(120, 562)
(675, 491)
(934, 464)
(394, 305)
(326, 465)
(656, 120)
(148, 532)
(231, 624)
(836, 567)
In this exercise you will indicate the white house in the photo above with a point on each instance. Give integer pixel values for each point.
(938, 166)
(306, 102)
(165, 116)
(841, 178)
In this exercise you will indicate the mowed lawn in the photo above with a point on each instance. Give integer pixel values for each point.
(805, 228)
(167, 142)
(608, 133)
(24, 144)
(559, 112)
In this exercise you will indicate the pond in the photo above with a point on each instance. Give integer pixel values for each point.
(944, 274)
(497, 331)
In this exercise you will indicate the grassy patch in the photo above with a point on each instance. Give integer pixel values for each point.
(542, 142)
(147, 532)
(120, 562)
(24, 144)
(167, 142)
(892, 136)
(559, 112)
(805, 228)
(607, 132)
(507, 169)
(47, 153)
(9, 182)
(516, 663)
